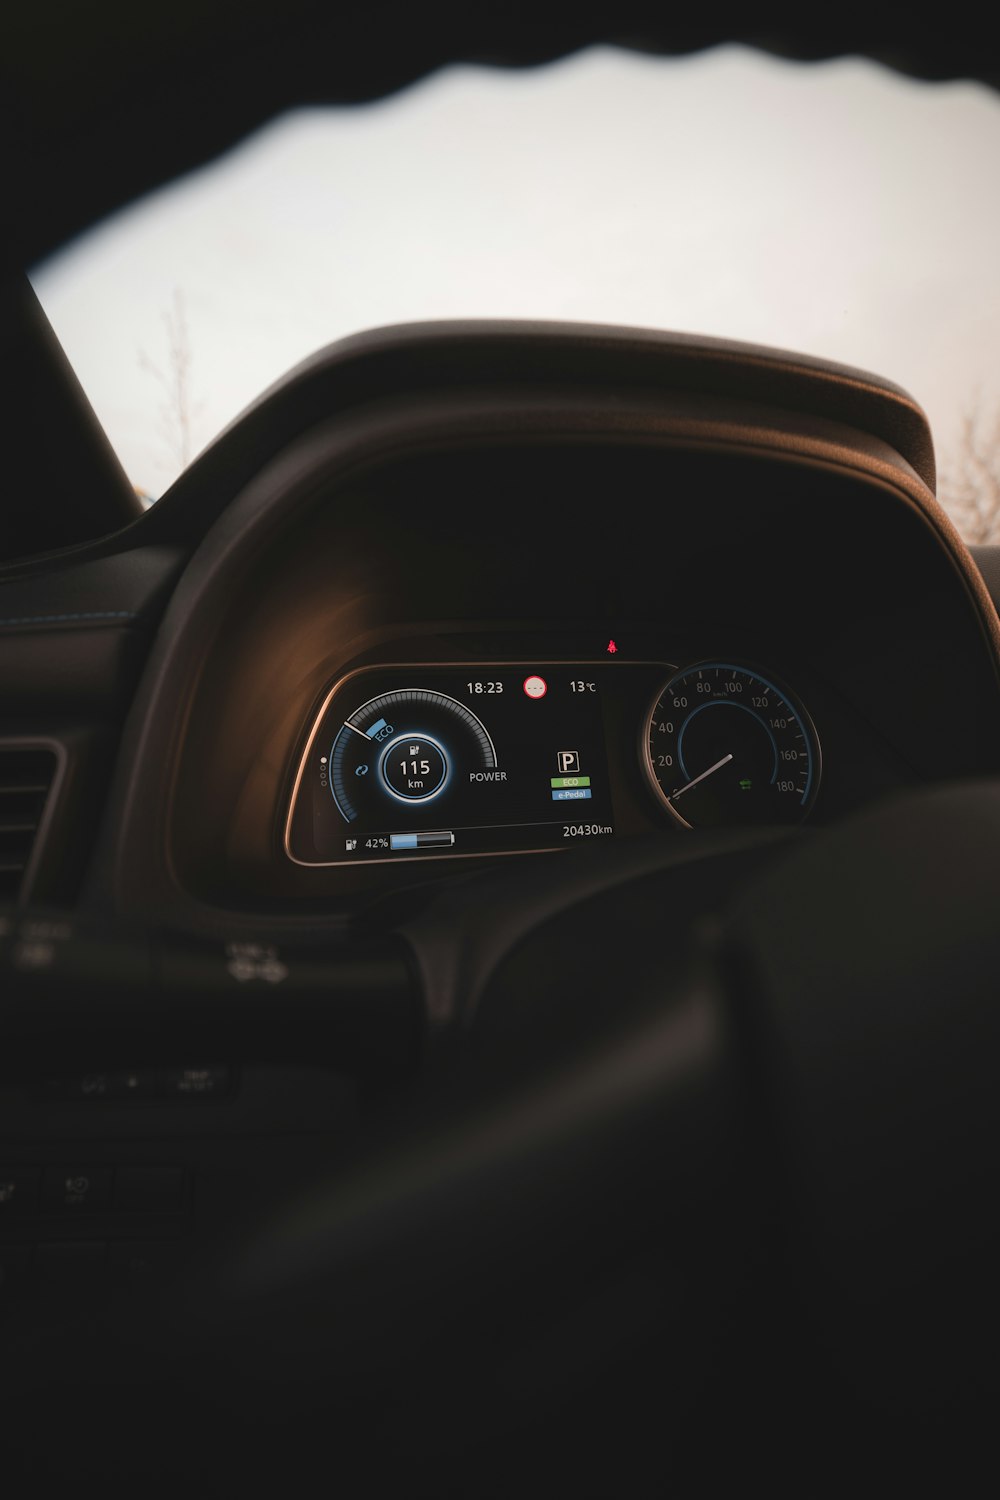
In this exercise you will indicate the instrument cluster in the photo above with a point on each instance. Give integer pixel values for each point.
(445, 760)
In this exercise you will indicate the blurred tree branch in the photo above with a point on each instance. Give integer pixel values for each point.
(970, 485)
(177, 414)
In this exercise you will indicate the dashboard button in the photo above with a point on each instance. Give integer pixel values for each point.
(15, 1262)
(143, 1265)
(76, 1190)
(196, 1083)
(155, 1190)
(18, 1190)
(90, 1087)
(71, 1266)
(135, 1083)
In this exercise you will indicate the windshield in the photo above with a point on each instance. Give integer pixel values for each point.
(834, 209)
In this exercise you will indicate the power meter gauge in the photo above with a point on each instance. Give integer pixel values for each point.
(403, 746)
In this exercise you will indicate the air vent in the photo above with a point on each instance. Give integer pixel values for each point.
(27, 773)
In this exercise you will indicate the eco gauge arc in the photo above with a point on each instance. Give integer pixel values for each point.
(404, 745)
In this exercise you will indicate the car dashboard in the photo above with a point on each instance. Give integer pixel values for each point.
(553, 568)
(457, 622)
(456, 592)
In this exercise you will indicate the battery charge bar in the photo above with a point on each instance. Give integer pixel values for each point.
(421, 840)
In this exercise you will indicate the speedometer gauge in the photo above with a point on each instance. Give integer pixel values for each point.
(726, 746)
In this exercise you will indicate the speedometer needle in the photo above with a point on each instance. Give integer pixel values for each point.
(718, 765)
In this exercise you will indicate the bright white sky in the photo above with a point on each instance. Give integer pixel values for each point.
(835, 209)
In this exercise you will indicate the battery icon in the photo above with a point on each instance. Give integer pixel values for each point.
(421, 840)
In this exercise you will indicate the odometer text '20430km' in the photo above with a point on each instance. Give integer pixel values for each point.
(725, 746)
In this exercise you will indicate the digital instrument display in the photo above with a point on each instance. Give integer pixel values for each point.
(423, 762)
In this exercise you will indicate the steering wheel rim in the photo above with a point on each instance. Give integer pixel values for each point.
(690, 1134)
(769, 1074)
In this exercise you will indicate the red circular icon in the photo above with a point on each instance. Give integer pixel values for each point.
(535, 687)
